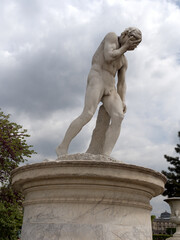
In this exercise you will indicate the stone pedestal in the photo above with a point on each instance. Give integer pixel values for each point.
(81, 197)
(174, 204)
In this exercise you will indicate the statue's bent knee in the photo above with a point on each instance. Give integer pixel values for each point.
(118, 117)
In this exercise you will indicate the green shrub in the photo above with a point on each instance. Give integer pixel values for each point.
(10, 221)
(170, 231)
(160, 236)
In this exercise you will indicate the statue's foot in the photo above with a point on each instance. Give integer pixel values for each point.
(60, 150)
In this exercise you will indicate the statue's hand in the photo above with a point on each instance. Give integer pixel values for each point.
(124, 107)
(131, 43)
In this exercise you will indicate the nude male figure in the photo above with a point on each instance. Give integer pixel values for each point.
(108, 60)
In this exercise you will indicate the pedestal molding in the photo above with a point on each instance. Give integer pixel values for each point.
(83, 170)
(89, 201)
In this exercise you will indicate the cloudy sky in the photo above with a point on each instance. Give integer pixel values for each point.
(46, 49)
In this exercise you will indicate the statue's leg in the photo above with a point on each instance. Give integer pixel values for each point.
(92, 98)
(114, 107)
(98, 137)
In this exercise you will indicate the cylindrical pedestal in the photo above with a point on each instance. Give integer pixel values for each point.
(87, 200)
(174, 204)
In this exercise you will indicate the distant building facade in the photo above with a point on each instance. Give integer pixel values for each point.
(159, 225)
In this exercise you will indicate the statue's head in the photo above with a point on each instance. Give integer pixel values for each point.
(132, 32)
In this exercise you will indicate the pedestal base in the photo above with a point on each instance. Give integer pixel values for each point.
(87, 199)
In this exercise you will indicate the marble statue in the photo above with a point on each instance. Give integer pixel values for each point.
(108, 60)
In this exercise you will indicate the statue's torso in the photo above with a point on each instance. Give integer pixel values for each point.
(102, 71)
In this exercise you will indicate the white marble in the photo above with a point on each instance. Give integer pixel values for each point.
(175, 215)
(78, 198)
(108, 60)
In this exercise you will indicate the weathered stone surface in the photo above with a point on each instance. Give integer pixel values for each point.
(96, 145)
(85, 199)
(84, 156)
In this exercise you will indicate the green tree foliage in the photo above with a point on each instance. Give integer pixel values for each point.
(172, 187)
(153, 217)
(13, 151)
(13, 146)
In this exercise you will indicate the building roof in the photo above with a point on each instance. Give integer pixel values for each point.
(165, 215)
